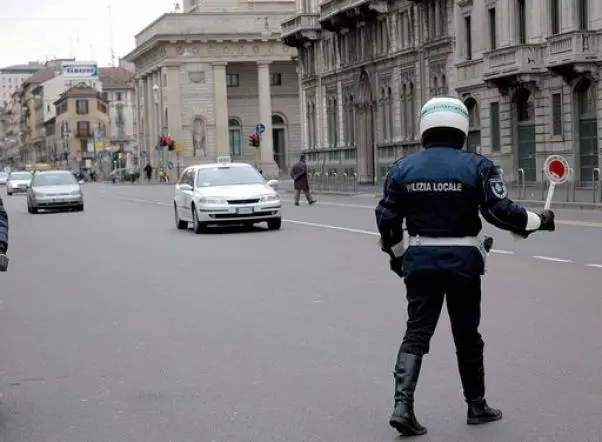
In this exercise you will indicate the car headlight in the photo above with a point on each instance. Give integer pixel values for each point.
(273, 197)
(211, 201)
(40, 194)
(76, 192)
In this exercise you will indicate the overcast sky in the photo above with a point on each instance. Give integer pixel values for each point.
(42, 29)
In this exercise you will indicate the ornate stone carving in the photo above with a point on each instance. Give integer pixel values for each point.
(196, 77)
(199, 136)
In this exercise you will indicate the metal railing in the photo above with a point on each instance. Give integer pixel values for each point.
(596, 183)
(333, 182)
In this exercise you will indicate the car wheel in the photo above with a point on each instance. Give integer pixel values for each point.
(180, 225)
(275, 223)
(9, 193)
(34, 210)
(80, 208)
(29, 207)
(197, 226)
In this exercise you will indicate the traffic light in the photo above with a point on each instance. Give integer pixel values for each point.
(254, 140)
(168, 142)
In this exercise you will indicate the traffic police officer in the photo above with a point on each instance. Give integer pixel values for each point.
(439, 193)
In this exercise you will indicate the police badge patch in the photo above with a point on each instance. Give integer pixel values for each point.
(498, 188)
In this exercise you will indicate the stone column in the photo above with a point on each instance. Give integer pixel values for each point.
(150, 125)
(220, 92)
(268, 166)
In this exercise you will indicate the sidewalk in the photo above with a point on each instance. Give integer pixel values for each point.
(532, 196)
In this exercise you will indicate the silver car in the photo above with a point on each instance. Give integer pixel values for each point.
(54, 189)
(18, 182)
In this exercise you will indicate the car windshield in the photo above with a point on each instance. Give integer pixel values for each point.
(20, 176)
(54, 179)
(228, 176)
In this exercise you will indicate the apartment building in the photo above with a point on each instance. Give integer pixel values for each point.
(529, 71)
(366, 67)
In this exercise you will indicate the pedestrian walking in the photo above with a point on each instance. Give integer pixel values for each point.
(439, 192)
(301, 181)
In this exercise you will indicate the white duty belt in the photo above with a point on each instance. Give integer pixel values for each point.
(420, 241)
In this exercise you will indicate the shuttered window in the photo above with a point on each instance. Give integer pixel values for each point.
(494, 118)
(557, 114)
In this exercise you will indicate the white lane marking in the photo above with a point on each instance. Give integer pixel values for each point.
(328, 226)
(597, 266)
(550, 258)
(502, 252)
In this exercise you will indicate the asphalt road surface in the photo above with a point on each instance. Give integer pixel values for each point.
(116, 327)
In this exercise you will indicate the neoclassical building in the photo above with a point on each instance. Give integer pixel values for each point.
(528, 71)
(209, 76)
(366, 69)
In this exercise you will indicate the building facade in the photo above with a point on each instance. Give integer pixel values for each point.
(81, 114)
(118, 90)
(12, 77)
(209, 76)
(529, 72)
(366, 67)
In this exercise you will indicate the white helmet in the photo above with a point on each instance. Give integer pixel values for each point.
(444, 112)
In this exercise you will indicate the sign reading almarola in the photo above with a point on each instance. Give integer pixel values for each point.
(78, 69)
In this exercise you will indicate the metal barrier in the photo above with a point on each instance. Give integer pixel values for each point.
(570, 184)
(522, 184)
(333, 182)
(596, 173)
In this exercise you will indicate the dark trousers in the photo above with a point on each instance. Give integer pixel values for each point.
(425, 294)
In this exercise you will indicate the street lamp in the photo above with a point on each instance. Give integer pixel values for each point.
(158, 121)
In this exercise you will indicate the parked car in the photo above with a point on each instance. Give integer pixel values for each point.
(3, 178)
(56, 189)
(18, 182)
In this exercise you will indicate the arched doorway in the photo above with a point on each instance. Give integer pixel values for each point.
(279, 141)
(364, 124)
(525, 133)
(587, 126)
(473, 141)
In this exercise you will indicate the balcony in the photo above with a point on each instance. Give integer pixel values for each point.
(513, 65)
(336, 15)
(299, 29)
(572, 54)
(470, 73)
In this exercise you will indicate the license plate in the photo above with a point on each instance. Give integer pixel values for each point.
(244, 210)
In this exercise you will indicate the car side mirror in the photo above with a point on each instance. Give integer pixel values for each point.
(273, 184)
(186, 187)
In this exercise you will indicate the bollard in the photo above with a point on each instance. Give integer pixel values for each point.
(570, 184)
(354, 182)
(522, 185)
(334, 182)
(327, 181)
(346, 181)
(596, 173)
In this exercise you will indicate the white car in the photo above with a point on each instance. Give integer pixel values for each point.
(18, 182)
(225, 193)
(3, 178)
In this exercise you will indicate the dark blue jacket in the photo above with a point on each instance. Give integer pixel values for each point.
(3, 228)
(439, 193)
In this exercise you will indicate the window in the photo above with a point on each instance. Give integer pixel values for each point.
(468, 42)
(234, 137)
(492, 30)
(105, 96)
(83, 129)
(228, 176)
(557, 114)
(555, 16)
(232, 80)
(83, 146)
(81, 107)
(275, 79)
(494, 116)
(583, 15)
(101, 107)
(119, 96)
(521, 17)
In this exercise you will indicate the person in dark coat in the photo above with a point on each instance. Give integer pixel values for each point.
(299, 176)
(3, 237)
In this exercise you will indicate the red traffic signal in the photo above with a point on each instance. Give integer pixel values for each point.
(254, 140)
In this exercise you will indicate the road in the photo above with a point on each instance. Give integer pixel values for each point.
(116, 327)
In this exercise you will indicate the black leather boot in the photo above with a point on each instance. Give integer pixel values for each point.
(472, 375)
(406, 374)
